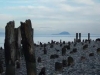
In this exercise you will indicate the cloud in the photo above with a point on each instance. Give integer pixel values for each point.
(87, 2)
(68, 8)
(5, 17)
(42, 10)
(31, 9)
(17, 1)
(92, 10)
(58, 14)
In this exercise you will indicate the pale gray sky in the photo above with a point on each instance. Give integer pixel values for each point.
(53, 16)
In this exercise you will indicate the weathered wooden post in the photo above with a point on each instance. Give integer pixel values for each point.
(88, 36)
(10, 48)
(76, 37)
(27, 44)
(80, 37)
(18, 45)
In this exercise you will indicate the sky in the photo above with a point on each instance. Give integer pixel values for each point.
(53, 16)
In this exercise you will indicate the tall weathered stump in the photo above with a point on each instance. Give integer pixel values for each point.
(10, 48)
(76, 37)
(80, 37)
(27, 45)
(88, 36)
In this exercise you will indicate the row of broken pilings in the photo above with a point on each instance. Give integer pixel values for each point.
(14, 38)
(79, 39)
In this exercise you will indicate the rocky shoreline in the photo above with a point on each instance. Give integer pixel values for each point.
(68, 58)
(85, 59)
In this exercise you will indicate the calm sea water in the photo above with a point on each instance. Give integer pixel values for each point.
(48, 38)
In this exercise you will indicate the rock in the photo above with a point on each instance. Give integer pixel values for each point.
(70, 61)
(91, 54)
(58, 66)
(63, 51)
(39, 60)
(17, 64)
(42, 71)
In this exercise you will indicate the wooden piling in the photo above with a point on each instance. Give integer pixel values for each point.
(88, 36)
(80, 37)
(9, 48)
(76, 37)
(27, 45)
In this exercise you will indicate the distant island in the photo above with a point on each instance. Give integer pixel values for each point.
(62, 33)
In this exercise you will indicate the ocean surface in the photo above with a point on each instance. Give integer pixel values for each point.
(48, 38)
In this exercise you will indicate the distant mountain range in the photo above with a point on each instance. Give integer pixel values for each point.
(62, 33)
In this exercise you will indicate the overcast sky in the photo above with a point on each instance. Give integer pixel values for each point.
(53, 16)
